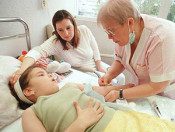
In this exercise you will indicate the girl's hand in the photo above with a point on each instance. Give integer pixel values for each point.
(80, 86)
(89, 115)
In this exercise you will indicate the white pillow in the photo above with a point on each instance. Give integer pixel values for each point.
(9, 110)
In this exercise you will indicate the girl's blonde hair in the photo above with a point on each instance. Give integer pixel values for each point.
(118, 10)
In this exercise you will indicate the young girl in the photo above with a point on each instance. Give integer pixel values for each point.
(52, 108)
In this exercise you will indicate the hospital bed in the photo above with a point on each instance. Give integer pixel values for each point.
(10, 114)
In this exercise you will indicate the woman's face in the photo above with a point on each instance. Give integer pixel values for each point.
(65, 29)
(42, 83)
(118, 33)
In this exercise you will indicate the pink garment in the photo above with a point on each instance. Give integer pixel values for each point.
(154, 57)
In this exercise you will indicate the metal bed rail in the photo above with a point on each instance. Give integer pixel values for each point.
(26, 34)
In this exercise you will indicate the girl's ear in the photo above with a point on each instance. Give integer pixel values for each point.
(28, 91)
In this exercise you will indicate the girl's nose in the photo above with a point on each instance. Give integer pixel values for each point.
(50, 75)
(66, 32)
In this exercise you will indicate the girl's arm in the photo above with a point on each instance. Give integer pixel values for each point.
(31, 123)
(85, 118)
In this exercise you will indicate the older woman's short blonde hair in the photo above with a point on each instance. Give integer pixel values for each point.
(118, 10)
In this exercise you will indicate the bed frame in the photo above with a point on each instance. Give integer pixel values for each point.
(14, 41)
(25, 35)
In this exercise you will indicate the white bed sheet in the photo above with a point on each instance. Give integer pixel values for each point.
(167, 106)
(14, 127)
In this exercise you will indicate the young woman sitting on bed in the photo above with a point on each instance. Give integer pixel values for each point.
(52, 108)
(73, 44)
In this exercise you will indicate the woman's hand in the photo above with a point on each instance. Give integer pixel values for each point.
(101, 69)
(112, 96)
(15, 76)
(103, 81)
(89, 115)
(42, 62)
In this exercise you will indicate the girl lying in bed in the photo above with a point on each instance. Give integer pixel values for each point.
(52, 108)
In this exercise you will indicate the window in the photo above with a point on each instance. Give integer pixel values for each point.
(161, 8)
(89, 8)
(150, 7)
(171, 14)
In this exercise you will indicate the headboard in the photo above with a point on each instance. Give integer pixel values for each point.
(13, 44)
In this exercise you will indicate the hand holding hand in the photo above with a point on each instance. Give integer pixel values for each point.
(90, 115)
(112, 96)
(103, 81)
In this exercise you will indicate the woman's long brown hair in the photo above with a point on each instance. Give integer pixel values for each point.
(59, 16)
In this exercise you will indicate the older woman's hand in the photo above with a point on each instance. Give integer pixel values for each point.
(89, 115)
(103, 81)
(112, 96)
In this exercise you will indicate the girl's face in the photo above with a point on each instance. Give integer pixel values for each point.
(42, 83)
(65, 29)
(118, 33)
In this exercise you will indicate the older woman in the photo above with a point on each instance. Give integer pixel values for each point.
(144, 48)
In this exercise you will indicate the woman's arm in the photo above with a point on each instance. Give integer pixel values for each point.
(99, 66)
(96, 52)
(115, 69)
(44, 50)
(145, 90)
(31, 123)
(139, 91)
(104, 90)
(25, 64)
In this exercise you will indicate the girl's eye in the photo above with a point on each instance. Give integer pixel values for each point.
(42, 74)
(60, 30)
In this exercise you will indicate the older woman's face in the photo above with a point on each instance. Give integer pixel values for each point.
(65, 29)
(118, 33)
